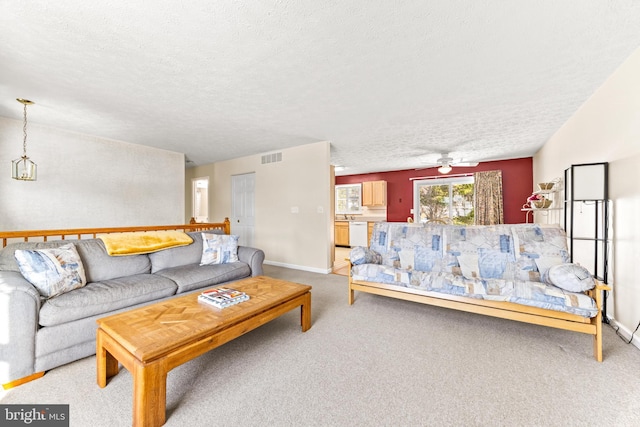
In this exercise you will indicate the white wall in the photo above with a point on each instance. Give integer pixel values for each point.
(303, 179)
(607, 129)
(85, 181)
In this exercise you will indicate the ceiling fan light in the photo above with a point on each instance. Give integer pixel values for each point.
(444, 169)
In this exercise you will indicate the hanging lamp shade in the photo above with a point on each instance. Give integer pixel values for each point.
(23, 168)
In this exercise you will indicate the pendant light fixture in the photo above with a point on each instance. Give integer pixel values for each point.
(23, 168)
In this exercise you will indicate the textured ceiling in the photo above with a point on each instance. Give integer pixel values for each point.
(390, 85)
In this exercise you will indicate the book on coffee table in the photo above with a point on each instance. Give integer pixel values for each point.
(222, 297)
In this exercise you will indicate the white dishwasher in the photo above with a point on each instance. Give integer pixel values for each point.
(358, 233)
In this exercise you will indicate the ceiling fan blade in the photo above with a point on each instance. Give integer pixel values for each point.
(427, 166)
(445, 159)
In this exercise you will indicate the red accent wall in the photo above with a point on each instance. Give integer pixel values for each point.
(517, 185)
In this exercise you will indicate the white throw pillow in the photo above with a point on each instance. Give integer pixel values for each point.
(219, 248)
(570, 277)
(52, 271)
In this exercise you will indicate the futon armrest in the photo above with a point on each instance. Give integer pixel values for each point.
(602, 286)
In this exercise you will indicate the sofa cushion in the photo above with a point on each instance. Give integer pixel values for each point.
(486, 263)
(52, 271)
(486, 251)
(105, 296)
(182, 255)
(194, 276)
(100, 266)
(404, 245)
(534, 294)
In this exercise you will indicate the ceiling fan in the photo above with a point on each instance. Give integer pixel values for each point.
(445, 163)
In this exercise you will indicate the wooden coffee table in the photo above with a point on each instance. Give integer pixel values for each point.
(151, 340)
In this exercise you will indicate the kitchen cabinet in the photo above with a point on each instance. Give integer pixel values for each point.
(370, 231)
(374, 193)
(342, 233)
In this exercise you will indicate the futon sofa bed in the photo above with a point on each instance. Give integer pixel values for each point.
(513, 271)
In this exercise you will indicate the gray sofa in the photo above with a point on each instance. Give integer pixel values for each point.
(38, 334)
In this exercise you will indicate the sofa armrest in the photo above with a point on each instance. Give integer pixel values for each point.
(19, 308)
(252, 256)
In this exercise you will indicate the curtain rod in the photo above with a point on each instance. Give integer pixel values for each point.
(457, 175)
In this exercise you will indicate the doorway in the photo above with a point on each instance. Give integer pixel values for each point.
(340, 264)
(200, 197)
(243, 207)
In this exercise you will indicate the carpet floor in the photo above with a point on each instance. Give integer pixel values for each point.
(380, 362)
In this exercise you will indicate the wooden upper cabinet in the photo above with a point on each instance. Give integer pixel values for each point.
(374, 193)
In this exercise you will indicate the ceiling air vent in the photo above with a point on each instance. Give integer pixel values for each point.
(271, 158)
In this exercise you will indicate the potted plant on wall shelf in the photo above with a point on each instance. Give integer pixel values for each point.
(537, 201)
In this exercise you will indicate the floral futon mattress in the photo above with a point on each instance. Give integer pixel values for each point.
(521, 263)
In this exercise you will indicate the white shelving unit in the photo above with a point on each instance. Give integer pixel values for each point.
(551, 214)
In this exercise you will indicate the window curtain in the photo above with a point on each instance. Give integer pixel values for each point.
(488, 198)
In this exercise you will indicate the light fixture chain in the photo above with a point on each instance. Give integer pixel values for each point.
(24, 131)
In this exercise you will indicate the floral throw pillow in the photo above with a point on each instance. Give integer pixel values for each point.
(52, 271)
(219, 248)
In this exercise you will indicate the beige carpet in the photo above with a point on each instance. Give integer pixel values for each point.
(380, 362)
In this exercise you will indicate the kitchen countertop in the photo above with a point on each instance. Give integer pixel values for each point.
(359, 219)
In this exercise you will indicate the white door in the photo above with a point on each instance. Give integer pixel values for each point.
(243, 205)
(200, 194)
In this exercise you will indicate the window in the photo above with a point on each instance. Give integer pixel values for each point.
(348, 198)
(448, 200)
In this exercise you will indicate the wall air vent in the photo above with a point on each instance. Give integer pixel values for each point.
(271, 158)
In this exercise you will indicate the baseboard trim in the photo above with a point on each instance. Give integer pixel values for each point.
(298, 267)
(626, 333)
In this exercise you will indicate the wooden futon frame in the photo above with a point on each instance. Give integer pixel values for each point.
(501, 309)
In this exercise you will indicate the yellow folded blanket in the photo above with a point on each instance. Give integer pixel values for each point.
(143, 242)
